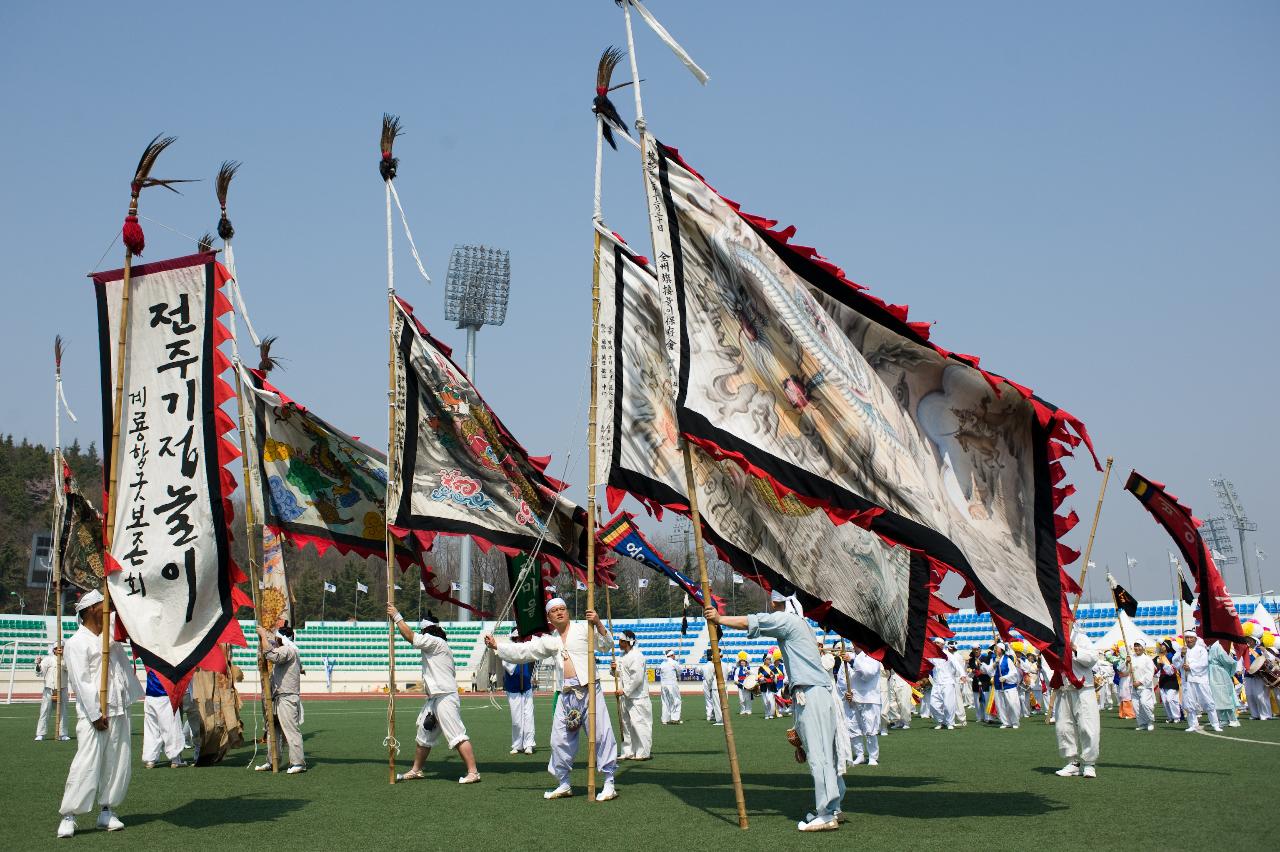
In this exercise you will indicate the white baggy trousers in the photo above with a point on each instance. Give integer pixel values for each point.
(161, 730)
(101, 768)
(637, 726)
(670, 703)
(1077, 724)
(564, 742)
(46, 712)
(522, 729)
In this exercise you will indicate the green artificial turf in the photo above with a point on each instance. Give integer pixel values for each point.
(975, 787)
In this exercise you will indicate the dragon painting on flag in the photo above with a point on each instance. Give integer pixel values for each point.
(460, 471)
(850, 579)
(800, 376)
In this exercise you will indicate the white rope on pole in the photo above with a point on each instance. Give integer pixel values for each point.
(413, 249)
(661, 32)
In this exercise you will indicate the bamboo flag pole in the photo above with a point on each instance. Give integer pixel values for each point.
(690, 483)
(1088, 552)
(1177, 597)
(387, 168)
(55, 565)
(253, 533)
(134, 242)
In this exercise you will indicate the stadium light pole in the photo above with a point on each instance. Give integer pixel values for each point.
(1230, 502)
(475, 294)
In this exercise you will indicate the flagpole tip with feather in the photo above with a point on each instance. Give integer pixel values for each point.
(134, 240)
(602, 106)
(221, 185)
(391, 130)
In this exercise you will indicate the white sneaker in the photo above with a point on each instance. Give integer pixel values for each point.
(1234, 723)
(515, 751)
(64, 738)
(840, 818)
(1193, 730)
(859, 760)
(1217, 729)
(265, 767)
(607, 792)
(938, 727)
(109, 821)
(471, 778)
(529, 750)
(1071, 770)
(905, 728)
(826, 823)
(1015, 727)
(564, 791)
(1089, 771)
(67, 826)
(1151, 727)
(149, 764)
(40, 738)
(296, 769)
(1004, 727)
(177, 764)
(873, 762)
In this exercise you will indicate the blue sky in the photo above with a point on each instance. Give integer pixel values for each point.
(1083, 194)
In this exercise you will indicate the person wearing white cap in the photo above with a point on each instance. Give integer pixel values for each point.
(636, 707)
(739, 674)
(710, 694)
(858, 687)
(1196, 697)
(1076, 722)
(942, 702)
(958, 699)
(1143, 671)
(47, 667)
(441, 713)
(818, 720)
(102, 767)
(517, 682)
(567, 645)
(1005, 677)
(669, 682)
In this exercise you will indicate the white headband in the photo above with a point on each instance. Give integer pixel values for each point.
(554, 602)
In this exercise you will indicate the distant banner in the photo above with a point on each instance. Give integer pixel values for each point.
(850, 579)
(624, 537)
(1218, 617)
(460, 470)
(80, 542)
(530, 602)
(795, 373)
(275, 586)
(171, 577)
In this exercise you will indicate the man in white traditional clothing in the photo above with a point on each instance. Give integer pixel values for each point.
(710, 693)
(858, 687)
(818, 720)
(102, 767)
(741, 671)
(958, 715)
(1143, 671)
(1104, 676)
(1077, 723)
(942, 705)
(441, 713)
(48, 668)
(1005, 677)
(1256, 694)
(633, 699)
(1196, 696)
(899, 702)
(567, 646)
(669, 683)
(517, 682)
(286, 700)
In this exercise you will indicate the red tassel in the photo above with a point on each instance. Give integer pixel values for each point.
(134, 240)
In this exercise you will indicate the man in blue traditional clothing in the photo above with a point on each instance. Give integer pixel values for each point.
(517, 681)
(818, 721)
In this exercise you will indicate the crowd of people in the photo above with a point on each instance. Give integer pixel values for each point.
(839, 699)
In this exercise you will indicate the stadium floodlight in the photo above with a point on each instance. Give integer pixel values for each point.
(475, 294)
(1234, 510)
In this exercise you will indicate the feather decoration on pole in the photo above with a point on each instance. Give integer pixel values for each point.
(387, 166)
(134, 242)
(205, 243)
(602, 106)
(266, 361)
(221, 184)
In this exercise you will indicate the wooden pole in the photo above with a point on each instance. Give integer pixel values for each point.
(730, 746)
(122, 336)
(55, 562)
(1177, 597)
(613, 660)
(1088, 552)
(592, 733)
(253, 545)
(392, 409)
